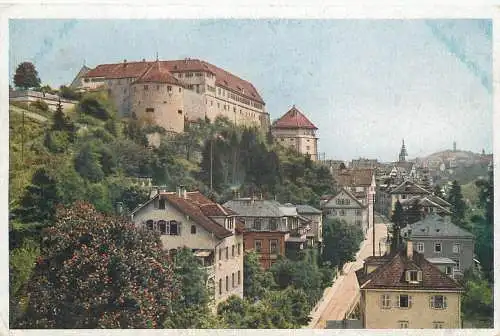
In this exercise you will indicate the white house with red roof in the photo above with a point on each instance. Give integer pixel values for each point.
(294, 130)
(189, 219)
(168, 91)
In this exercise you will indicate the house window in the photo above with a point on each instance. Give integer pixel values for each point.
(385, 301)
(150, 224)
(273, 246)
(239, 278)
(404, 301)
(273, 224)
(456, 248)
(150, 109)
(174, 228)
(342, 212)
(420, 246)
(403, 324)
(257, 224)
(227, 283)
(258, 246)
(448, 270)
(358, 212)
(227, 252)
(162, 204)
(438, 302)
(437, 325)
(457, 264)
(413, 276)
(232, 279)
(193, 229)
(437, 247)
(232, 251)
(403, 196)
(169, 89)
(333, 212)
(162, 226)
(220, 286)
(239, 248)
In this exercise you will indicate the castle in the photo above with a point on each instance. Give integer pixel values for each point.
(167, 93)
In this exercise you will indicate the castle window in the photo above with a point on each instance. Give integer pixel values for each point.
(180, 89)
(179, 111)
(150, 109)
(193, 229)
(169, 88)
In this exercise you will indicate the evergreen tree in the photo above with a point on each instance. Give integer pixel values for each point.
(484, 226)
(397, 220)
(26, 76)
(458, 205)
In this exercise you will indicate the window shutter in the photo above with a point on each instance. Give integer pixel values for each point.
(419, 276)
(431, 301)
(407, 275)
(409, 301)
(445, 304)
(398, 300)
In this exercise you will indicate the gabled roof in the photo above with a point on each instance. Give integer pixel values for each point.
(294, 119)
(358, 177)
(436, 226)
(307, 209)
(157, 73)
(198, 207)
(247, 207)
(351, 196)
(391, 275)
(119, 70)
(429, 201)
(409, 187)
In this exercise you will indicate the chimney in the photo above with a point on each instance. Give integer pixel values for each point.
(409, 249)
(144, 60)
(124, 62)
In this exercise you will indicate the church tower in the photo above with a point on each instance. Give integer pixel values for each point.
(403, 153)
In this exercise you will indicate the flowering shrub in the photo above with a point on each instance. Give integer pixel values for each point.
(99, 271)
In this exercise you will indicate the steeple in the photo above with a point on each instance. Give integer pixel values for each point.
(403, 153)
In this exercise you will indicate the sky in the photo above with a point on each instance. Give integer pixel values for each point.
(366, 84)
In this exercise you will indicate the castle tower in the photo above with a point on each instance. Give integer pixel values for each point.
(403, 153)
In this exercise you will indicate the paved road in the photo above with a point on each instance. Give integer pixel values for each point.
(341, 296)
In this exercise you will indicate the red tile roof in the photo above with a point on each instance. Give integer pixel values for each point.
(391, 275)
(409, 187)
(223, 78)
(294, 119)
(158, 73)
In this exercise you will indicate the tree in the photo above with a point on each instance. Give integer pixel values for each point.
(26, 76)
(256, 282)
(477, 301)
(341, 242)
(458, 205)
(483, 228)
(192, 305)
(398, 223)
(97, 105)
(87, 163)
(68, 93)
(99, 271)
(39, 199)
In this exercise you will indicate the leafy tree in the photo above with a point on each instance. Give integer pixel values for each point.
(41, 105)
(341, 242)
(192, 306)
(477, 301)
(68, 93)
(39, 200)
(87, 163)
(26, 76)
(458, 205)
(97, 105)
(256, 282)
(99, 271)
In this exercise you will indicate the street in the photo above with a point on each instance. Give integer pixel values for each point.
(341, 296)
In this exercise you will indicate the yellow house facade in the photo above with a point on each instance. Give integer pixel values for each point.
(403, 290)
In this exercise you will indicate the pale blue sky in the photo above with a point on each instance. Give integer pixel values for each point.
(365, 83)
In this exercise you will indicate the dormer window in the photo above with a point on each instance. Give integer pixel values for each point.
(413, 276)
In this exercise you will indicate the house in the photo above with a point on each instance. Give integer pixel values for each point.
(294, 130)
(167, 92)
(438, 237)
(189, 219)
(270, 228)
(315, 235)
(405, 190)
(345, 206)
(404, 290)
(419, 207)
